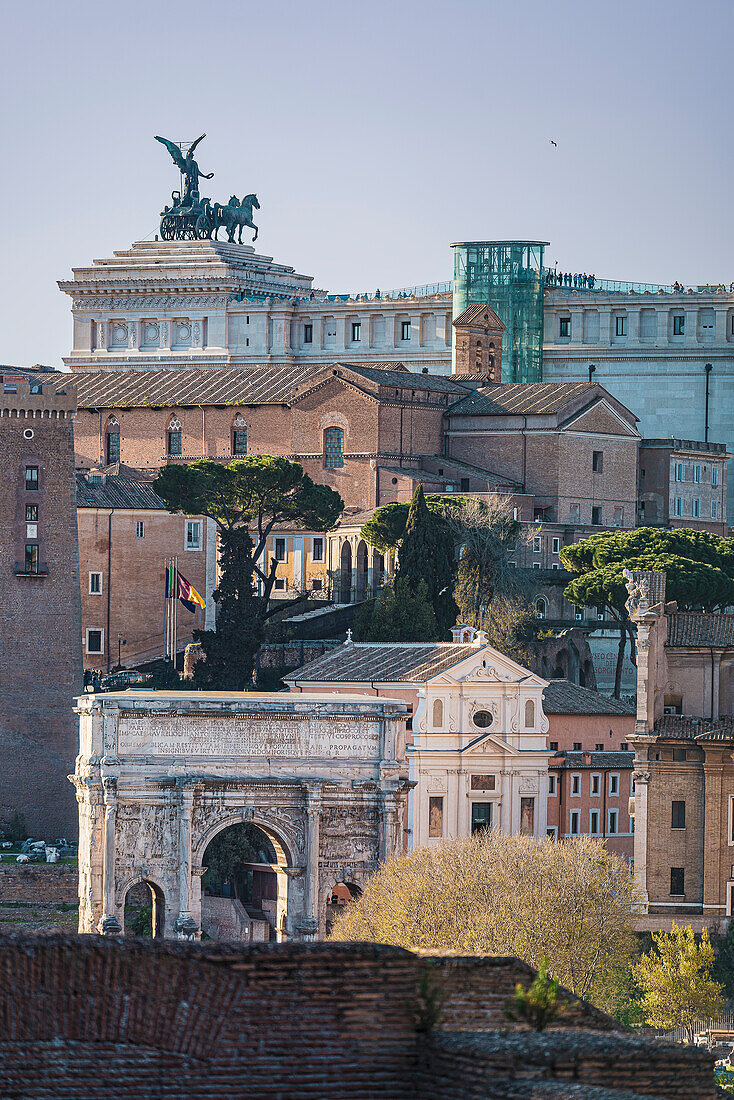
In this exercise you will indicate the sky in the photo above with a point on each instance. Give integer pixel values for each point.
(373, 134)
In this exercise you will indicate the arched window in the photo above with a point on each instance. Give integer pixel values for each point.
(529, 714)
(541, 607)
(437, 713)
(112, 441)
(333, 448)
(239, 435)
(174, 437)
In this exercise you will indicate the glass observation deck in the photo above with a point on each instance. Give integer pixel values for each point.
(509, 276)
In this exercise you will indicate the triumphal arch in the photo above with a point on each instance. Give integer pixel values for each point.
(160, 774)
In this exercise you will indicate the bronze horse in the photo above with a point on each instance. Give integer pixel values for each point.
(234, 216)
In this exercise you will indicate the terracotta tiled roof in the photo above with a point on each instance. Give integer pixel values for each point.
(384, 661)
(700, 628)
(580, 760)
(116, 492)
(563, 697)
(121, 389)
(687, 726)
(443, 383)
(524, 398)
(471, 313)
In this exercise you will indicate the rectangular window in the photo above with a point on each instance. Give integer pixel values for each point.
(678, 815)
(537, 544)
(620, 325)
(193, 534)
(356, 331)
(551, 784)
(599, 746)
(696, 508)
(554, 746)
(31, 513)
(576, 784)
(333, 448)
(527, 816)
(577, 746)
(31, 557)
(678, 509)
(564, 327)
(714, 475)
(594, 822)
(575, 820)
(405, 327)
(481, 816)
(239, 441)
(714, 509)
(95, 641)
(697, 474)
(317, 584)
(613, 822)
(556, 545)
(597, 462)
(465, 485)
(280, 550)
(435, 815)
(618, 515)
(174, 442)
(596, 784)
(552, 832)
(679, 755)
(614, 783)
(308, 334)
(279, 584)
(536, 565)
(31, 530)
(677, 881)
(596, 515)
(140, 529)
(680, 471)
(679, 324)
(31, 478)
(95, 584)
(318, 550)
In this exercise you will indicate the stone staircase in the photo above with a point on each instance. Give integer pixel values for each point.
(227, 919)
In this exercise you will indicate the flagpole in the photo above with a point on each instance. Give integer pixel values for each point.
(175, 615)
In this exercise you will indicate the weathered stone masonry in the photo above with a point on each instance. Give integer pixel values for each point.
(160, 774)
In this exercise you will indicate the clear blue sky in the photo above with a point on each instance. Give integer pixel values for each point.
(374, 134)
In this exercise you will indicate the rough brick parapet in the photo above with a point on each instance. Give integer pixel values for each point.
(45, 884)
(309, 1020)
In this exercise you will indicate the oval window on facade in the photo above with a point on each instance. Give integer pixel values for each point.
(482, 719)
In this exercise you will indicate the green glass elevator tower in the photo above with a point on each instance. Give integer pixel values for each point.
(509, 276)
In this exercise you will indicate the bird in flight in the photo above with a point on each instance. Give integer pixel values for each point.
(554, 143)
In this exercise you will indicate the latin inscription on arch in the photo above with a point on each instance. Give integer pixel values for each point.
(168, 736)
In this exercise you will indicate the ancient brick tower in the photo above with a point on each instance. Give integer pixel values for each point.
(40, 614)
(479, 343)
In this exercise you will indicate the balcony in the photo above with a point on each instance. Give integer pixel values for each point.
(39, 570)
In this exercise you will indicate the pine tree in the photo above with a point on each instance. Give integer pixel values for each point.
(229, 652)
(427, 554)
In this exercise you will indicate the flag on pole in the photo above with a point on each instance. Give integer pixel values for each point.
(170, 580)
(188, 595)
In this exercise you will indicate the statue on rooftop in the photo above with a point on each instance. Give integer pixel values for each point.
(188, 167)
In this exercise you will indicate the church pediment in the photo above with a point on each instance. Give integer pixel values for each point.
(487, 666)
(601, 418)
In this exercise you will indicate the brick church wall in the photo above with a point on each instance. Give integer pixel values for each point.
(40, 639)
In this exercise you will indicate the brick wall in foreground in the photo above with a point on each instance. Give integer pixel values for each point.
(307, 1020)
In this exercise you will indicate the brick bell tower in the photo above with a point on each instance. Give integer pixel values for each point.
(40, 636)
(479, 343)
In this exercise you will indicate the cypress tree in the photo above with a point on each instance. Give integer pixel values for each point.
(427, 554)
(398, 615)
(229, 652)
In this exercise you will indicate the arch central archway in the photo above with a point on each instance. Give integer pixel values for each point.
(243, 883)
(144, 910)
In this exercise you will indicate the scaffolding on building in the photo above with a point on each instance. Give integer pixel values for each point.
(508, 275)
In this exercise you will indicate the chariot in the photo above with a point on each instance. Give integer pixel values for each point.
(187, 221)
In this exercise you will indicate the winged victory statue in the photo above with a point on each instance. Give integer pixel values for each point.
(193, 217)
